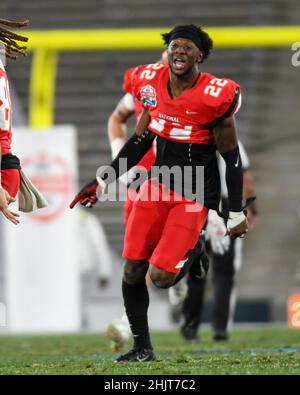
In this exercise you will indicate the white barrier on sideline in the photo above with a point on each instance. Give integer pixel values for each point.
(42, 288)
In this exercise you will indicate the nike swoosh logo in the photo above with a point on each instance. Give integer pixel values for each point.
(141, 359)
(190, 112)
(237, 162)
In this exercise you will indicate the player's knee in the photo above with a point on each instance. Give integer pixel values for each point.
(135, 271)
(162, 279)
(162, 282)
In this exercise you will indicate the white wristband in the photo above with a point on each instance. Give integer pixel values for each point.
(116, 145)
(235, 218)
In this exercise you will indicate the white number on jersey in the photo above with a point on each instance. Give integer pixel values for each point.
(216, 87)
(181, 134)
(175, 133)
(149, 72)
(158, 125)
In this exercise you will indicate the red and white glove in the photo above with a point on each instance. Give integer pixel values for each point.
(88, 195)
(215, 233)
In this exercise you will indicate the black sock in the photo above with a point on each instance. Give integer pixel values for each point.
(193, 303)
(136, 301)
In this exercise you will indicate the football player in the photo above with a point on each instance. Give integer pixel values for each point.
(191, 115)
(119, 330)
(9, 163)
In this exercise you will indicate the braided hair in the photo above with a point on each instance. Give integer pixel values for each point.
(10, 39)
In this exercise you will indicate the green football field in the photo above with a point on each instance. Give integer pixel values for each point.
(250, 351)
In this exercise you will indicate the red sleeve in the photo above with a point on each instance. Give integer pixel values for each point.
(127, 85)
(143, 80)
(132, 81)
(135, 81)
(229, 100)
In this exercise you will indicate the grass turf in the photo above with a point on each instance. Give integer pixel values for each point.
(253, 351)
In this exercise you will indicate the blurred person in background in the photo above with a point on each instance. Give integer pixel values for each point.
(226, 256)
(161, 235)
(94, 259)
(9, 163)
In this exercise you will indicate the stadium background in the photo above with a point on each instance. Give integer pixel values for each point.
(88, 85)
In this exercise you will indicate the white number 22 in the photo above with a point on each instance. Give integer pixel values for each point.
(149, 73)
(216, 87)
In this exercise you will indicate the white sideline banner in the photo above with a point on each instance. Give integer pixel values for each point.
(42, 284)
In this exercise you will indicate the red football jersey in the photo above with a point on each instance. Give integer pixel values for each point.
(5, 113)
(187, 118)
(149, 158)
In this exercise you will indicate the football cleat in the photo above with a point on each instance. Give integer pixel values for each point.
(221, 336)
(137, 355)
(119, 334)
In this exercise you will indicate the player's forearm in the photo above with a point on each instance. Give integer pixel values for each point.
(116, 127)
(227, 143)
(133, 151)
(234, 179)
(117, 134)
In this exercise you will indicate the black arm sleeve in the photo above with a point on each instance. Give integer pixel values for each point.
(234, 178)
(132, 152)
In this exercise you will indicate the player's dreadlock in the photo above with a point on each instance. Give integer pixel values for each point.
(9, 39)
(194, 33)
